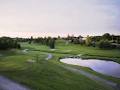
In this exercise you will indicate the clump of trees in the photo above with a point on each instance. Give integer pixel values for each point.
(104, 44)
(8, 43)
(49, 41)
(45, 41)
(75, 40)
(106, 41)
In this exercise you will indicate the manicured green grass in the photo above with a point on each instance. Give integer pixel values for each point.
(88, 52)
(49, 75)
(44, 75)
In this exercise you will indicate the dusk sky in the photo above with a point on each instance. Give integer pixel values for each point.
(59, 17)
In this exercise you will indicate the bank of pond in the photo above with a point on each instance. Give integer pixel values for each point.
(105, 67)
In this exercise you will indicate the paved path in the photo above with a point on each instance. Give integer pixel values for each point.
(104, 82)
(49, 56)
(7, 84)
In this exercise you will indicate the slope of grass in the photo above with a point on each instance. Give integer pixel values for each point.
(48, 75)
(88, 52)
(44, 75)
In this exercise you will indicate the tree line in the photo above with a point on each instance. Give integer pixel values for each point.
(48, 41)
(106, 41)
(8, 43)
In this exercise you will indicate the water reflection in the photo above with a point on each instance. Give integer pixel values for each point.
(105, 67)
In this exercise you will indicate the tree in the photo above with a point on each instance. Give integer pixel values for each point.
(52, 44)
(106, 36)
(31, 39)
(59, 37)
(68, 37)
(88, 41)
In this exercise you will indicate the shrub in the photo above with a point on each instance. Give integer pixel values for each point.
(105, 44)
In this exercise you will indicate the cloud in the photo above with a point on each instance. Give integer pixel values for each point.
(83, 17)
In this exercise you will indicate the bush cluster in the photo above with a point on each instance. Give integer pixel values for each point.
(105, 44)
(8, 43)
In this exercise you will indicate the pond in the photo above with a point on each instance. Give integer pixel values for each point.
(102, 66)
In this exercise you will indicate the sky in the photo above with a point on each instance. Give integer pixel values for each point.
(25, 18)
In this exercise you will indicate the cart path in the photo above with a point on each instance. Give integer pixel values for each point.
(7, 84)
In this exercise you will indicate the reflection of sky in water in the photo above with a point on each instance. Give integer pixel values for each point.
(105, 67)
